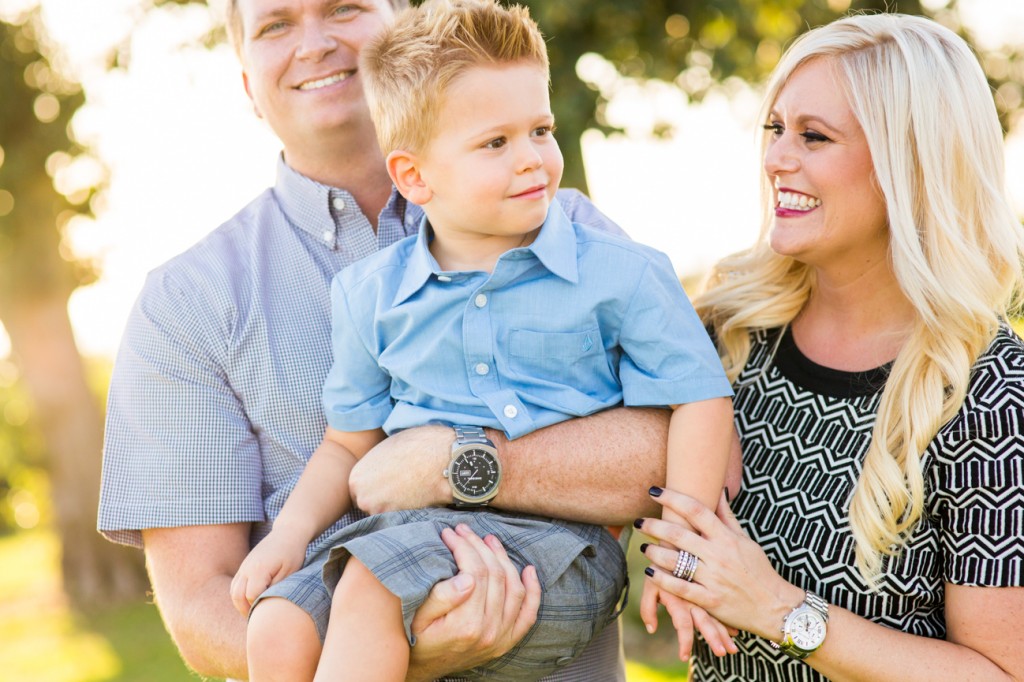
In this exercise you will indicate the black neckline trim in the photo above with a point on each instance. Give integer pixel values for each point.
(835, 383)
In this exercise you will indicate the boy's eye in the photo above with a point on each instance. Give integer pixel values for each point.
(496, 143)
(543, 130)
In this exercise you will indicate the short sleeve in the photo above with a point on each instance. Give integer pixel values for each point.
(357, 392)
(980, 484)
(580, 209)
(178, 448)
(668, 357)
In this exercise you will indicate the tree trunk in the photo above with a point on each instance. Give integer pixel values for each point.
(95, 571)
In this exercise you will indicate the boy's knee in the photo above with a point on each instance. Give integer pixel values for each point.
(281, 642)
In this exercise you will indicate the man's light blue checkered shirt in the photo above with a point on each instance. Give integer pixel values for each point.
(215, 401)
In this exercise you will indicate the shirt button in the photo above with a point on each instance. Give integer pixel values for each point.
(444, 278)
(482, 369)
(339, 204)
(480, 300)
(511, 411)
(328, 236)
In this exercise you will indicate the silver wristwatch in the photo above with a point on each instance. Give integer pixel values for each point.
(474, 472)
(804, 629)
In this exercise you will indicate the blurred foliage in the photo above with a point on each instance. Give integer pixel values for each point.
(38, 154)
(697, 45)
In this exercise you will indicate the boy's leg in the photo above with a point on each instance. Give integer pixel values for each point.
(281, 642)
(366, 635)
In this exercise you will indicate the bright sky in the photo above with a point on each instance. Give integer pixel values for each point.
(186, 152)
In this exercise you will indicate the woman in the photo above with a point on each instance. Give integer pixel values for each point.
(879, 390)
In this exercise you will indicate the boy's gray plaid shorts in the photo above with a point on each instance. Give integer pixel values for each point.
(582, 571)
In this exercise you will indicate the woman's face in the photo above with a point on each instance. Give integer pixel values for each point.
(829, 213)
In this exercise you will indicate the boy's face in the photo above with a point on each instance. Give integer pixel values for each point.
(300, 59)
(492, 167)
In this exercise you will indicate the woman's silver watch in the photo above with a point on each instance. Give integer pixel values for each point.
(804, 629)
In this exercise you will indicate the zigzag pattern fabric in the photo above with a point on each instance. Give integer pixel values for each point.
(805, 430)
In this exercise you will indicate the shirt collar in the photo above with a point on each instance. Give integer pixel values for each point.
(310, 205)
(305, 202)
(555, 247)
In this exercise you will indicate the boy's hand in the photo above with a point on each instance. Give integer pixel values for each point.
(277, 556)
(686, 618)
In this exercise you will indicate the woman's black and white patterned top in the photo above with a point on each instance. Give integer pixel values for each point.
(805, 430)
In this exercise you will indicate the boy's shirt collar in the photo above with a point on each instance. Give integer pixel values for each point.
(555, 247)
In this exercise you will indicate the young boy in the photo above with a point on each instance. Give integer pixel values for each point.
(501, 313)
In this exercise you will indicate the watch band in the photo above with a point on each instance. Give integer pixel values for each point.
(470, 434)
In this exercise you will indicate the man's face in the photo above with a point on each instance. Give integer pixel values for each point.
(300, 62)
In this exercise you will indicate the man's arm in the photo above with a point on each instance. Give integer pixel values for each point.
(594, 469)
(191, 568)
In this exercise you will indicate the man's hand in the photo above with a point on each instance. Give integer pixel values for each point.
(380, 480)
(478, 615)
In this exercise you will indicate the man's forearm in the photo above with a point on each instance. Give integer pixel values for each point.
(594, 469)
(191, 570)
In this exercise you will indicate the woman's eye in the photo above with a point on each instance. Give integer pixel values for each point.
(775, 129)
(812, 136)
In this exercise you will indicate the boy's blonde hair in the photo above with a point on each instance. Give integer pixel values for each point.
(955, 246)
(236, 32)
(407, 69)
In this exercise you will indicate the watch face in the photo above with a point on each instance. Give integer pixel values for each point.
(806, 629)
(474, 473)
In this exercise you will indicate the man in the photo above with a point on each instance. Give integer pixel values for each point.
(214, 405)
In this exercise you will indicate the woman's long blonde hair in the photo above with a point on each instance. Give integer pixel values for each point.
(956, 247)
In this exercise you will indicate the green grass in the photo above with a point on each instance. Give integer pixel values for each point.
(43, 640)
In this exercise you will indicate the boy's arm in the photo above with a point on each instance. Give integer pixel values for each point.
(319, 498)
(594, 469)
(700, 446)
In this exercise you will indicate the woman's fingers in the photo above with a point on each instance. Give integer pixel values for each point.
(725, 515)
(702, 519)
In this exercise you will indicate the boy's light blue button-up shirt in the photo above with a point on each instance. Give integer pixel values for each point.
(577, 322)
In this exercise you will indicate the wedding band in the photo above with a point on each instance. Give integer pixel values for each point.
(686, 566)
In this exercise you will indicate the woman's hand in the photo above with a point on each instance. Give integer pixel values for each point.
(734, 580)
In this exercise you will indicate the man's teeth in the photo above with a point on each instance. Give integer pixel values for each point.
(797, 202)
(324, 82)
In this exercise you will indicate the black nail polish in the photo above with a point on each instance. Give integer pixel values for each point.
(655, 491)
(643, 547)
(728, 497)
(649, 572)
(639, 523)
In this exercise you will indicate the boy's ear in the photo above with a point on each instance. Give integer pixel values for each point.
(403, 167)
